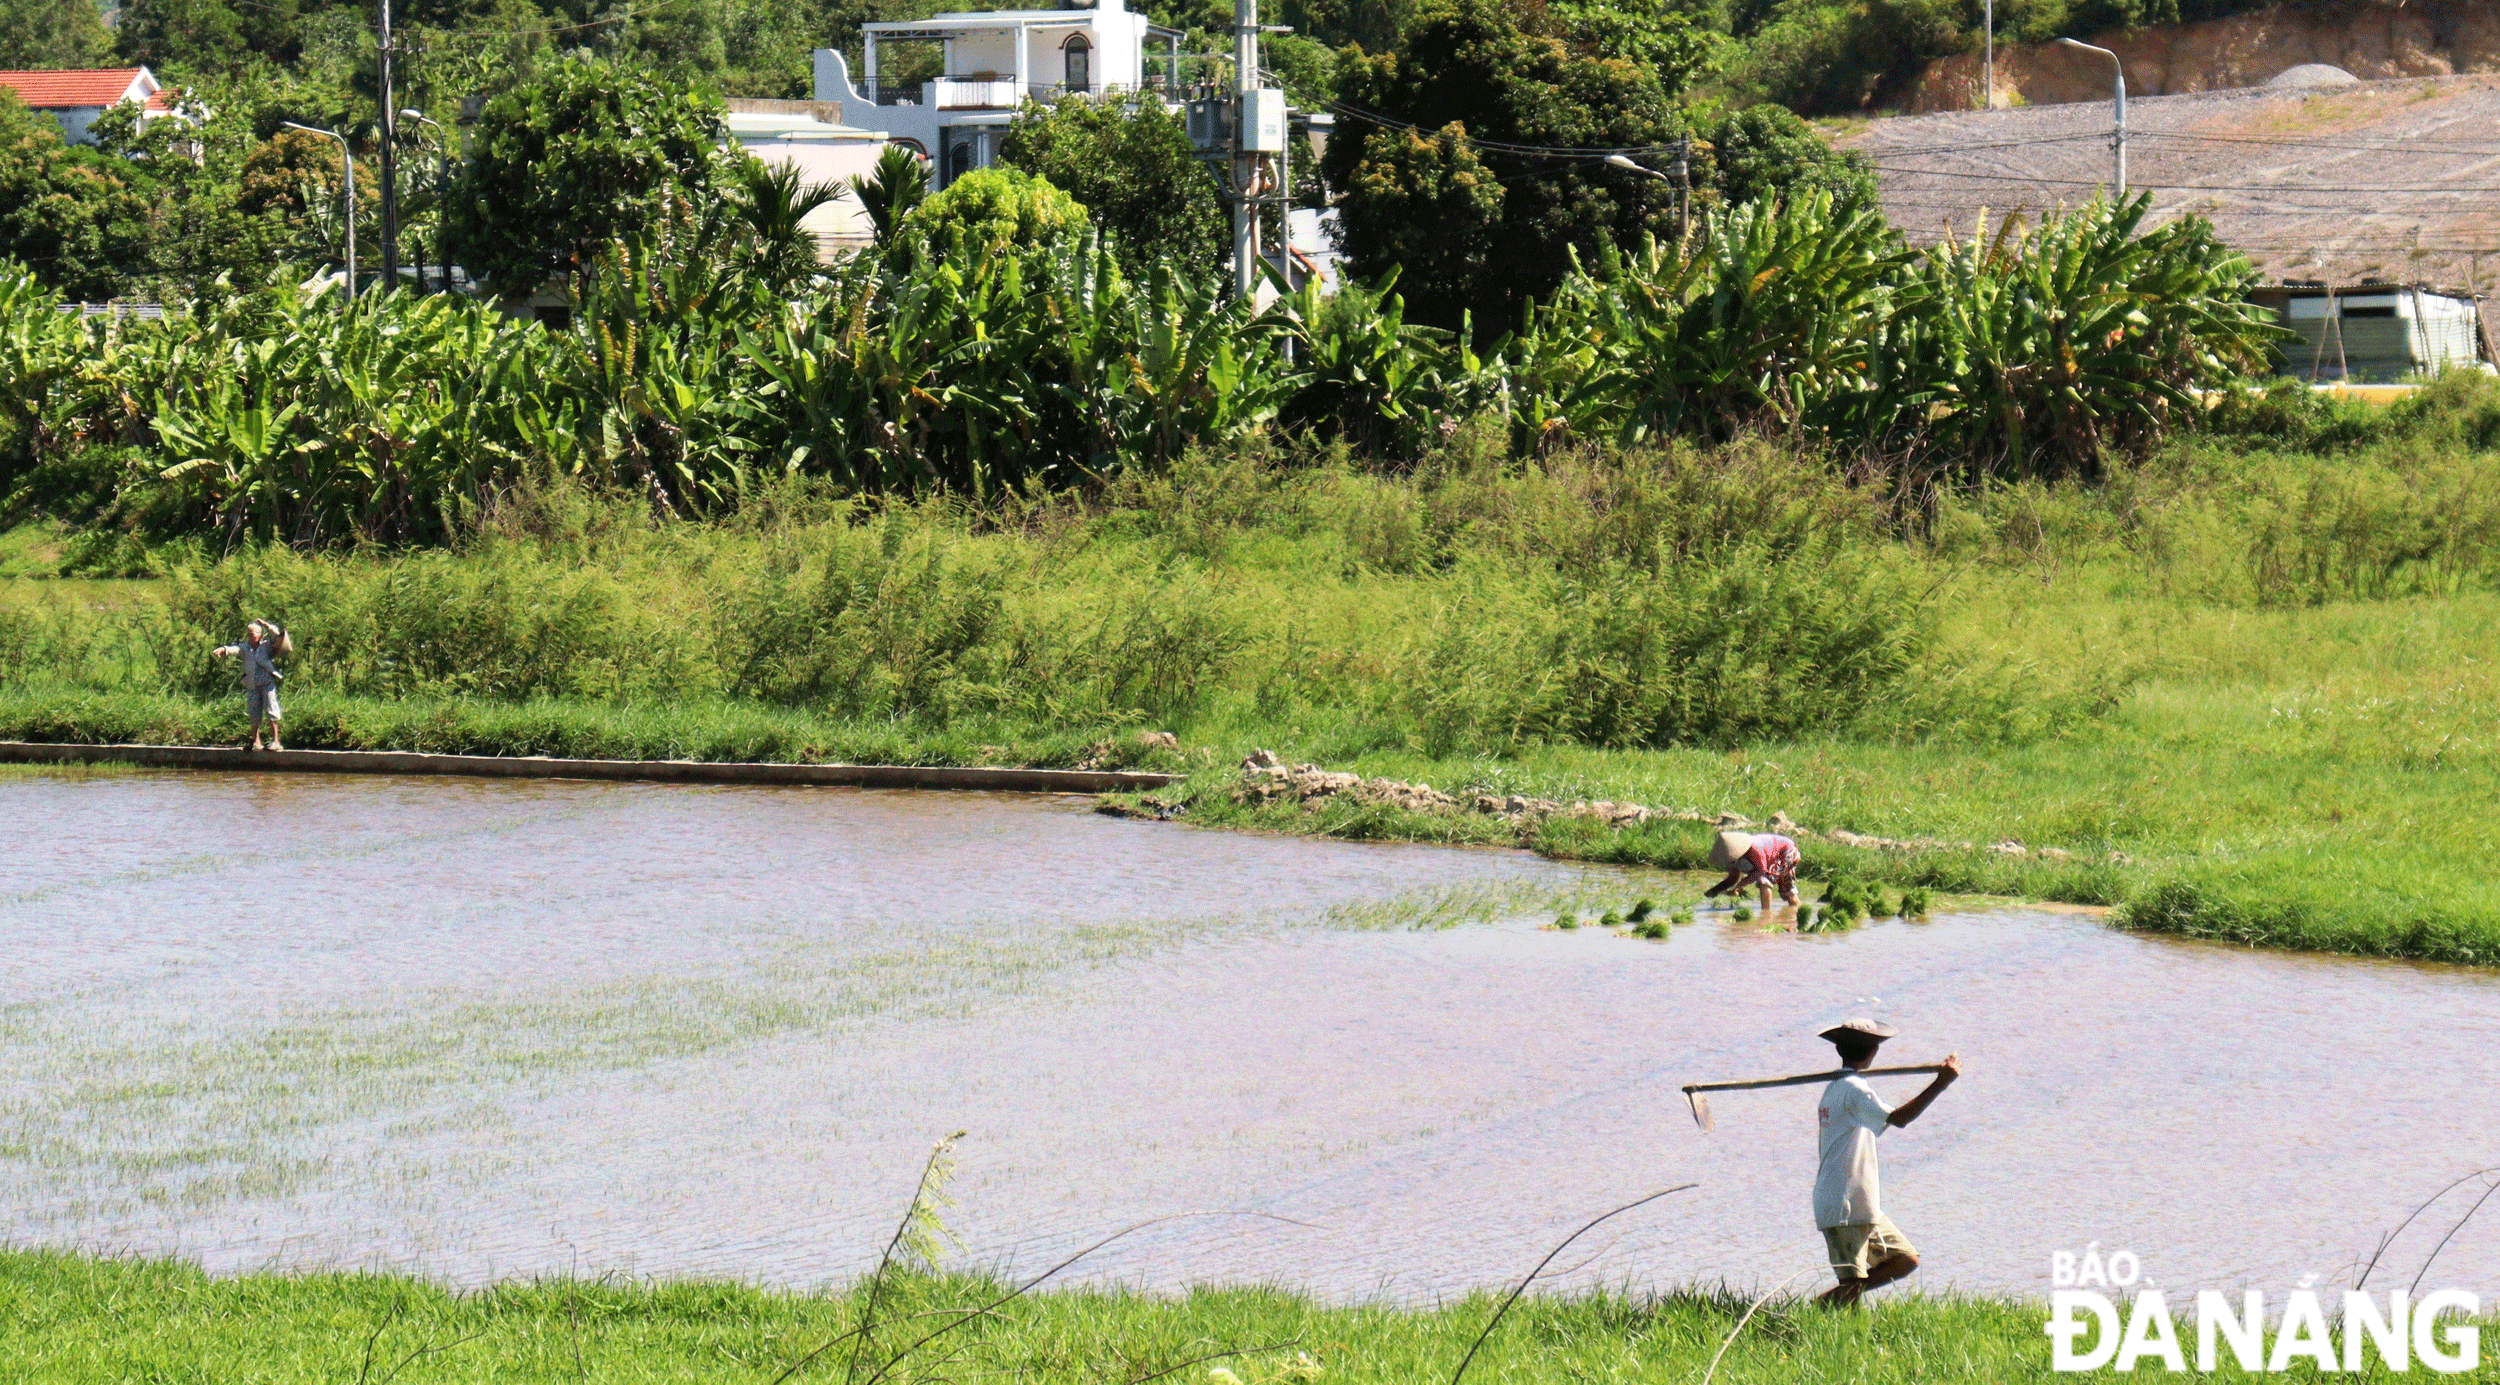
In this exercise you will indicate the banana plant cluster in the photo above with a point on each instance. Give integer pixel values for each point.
(980, 368)
(291, 414)
(2029, 351)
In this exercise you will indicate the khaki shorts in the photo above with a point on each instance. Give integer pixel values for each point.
(1857, 1249)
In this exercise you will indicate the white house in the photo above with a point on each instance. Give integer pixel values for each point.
(76, 96)
(811, 137)
(989, 64)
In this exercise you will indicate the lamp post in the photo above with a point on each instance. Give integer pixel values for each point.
(390, 162)
(442, 197)
(350, 155)
(2118, 141)
(1988, 97)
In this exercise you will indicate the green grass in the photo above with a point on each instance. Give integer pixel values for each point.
(67, 1319)
(2240, 695)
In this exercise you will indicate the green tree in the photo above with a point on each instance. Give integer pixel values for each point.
(78, 217)
(53, 33)
(1655, 34)
(899, 183)
(1130, 162)
(586, 153)
(232, 191)
(1766, 151)
(1442, 205)
(997, 207)
(291, 187)
(769, 205)
(1502, 82)
(198, 37)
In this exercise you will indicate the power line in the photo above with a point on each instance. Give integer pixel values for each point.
(2186, 209)
(2460, 149)
(1905, 151)
(1550, 151)
(489, 33)
(2381, 190)
(2441, 148)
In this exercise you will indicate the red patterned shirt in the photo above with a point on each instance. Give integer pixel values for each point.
(1772, 860)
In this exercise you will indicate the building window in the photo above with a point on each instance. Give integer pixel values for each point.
(1080, 64)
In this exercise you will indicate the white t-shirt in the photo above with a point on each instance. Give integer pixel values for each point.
(1846, 1189)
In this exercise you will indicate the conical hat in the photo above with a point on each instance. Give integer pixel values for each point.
(1729, 846)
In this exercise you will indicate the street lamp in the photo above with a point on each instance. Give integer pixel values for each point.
(2118, 142)
(350, 155)
(442, 206)
(1988, 77)
(1619, 161)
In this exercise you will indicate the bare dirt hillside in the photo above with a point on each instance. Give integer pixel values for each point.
(2394, 179)
(2371, 39)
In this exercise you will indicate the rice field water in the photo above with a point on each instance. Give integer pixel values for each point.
(488, 1031)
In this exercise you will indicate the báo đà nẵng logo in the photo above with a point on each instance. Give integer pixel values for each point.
(2104, 1314)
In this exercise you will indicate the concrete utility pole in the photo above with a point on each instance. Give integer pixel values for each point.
(2118, 140)
(350, 155)
(1683, 188)
(390, 163)
(1245, 163)
(1258, 132)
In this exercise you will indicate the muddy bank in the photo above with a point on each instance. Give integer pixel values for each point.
(1266, 781)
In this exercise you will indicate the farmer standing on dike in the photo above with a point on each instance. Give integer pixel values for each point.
(262, 642)
(1866, 1250)
(1767, 862)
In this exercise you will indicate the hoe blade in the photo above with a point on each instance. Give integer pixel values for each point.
(1701, 1111)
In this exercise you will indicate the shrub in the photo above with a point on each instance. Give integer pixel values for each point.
(990, 210)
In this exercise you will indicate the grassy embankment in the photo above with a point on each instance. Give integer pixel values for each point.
(2247, 693)
(66, 1320)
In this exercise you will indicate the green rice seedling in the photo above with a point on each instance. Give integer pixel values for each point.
(1849, 896)
(1611, 919)
(1566, 922)
(1742, 914)
(1682, 916)
(1915, 902)
(1641, 911)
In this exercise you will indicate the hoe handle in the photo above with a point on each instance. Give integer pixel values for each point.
(1804, 1077)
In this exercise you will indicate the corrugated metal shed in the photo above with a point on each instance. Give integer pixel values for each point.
(2375, 331)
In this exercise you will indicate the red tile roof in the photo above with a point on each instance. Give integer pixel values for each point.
(94, 86)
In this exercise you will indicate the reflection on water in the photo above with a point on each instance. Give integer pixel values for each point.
(481, 1029)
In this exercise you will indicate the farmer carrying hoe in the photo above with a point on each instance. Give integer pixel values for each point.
(262, 642)
(1766, 861)
(1867, 1250)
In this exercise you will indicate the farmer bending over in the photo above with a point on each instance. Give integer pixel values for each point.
(262, 642)
(1767, 862)
(1867, 1251)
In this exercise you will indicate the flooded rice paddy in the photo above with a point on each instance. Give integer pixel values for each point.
(482, 1029)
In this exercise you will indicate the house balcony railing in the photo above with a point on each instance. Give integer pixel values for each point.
(988, 92)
